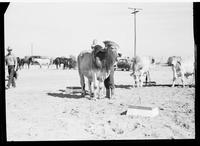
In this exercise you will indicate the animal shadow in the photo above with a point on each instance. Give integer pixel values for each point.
(153, 84)
(167, 85)
(69, 92)
(124, 86)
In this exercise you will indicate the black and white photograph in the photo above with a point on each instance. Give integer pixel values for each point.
(105, 70)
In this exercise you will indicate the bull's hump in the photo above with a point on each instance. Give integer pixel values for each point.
(85, 52)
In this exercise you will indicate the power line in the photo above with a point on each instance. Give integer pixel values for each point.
(135, 11)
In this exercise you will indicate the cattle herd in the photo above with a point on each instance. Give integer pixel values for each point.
(98, 63)
(27, 61)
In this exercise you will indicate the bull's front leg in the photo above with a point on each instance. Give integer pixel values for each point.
(82, 81)
(173, 82)
(174, 76)
(141, 80)
(135, 81)
(148, 78)
(183, 80)
(101, 85)
(90, 88)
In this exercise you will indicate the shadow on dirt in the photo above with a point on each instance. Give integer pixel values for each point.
(124, 86)
(69, 92)
(168, 85)
(153, 85)
(62, 95)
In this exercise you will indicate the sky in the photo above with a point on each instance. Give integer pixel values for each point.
(63, 29)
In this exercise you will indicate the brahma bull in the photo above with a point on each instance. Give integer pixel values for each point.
(141, 67)
(96, 66)
(182, 69)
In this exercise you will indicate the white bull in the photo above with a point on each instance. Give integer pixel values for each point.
(43, 61)
(182, 69)
(141, 67)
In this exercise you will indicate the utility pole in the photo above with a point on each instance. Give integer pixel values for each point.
(135, 10)
(31, 49)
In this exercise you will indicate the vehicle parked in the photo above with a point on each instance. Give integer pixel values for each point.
(122, 64)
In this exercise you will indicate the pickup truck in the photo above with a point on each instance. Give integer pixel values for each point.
(122, 64)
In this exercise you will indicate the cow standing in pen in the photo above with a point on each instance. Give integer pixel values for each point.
(97, 66)
(141, 70)
(182, 69)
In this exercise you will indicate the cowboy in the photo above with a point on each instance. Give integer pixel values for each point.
(95, 43)
(11, 62)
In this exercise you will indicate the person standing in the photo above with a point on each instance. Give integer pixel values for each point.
(94, 43)
(11, 62)
(109, 82)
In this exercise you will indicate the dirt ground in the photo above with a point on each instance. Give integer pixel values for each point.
(47, 105)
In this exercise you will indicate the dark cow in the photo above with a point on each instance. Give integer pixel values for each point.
(71, 63)
(19, 63)
(97, 66)
(57, 62)
(61, 60)
(68, 63)
(65, 62)
(27, 60)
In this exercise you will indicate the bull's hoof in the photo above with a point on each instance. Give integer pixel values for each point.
(108, 93)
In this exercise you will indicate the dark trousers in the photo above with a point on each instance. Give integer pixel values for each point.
(11, 71)
(109, 83)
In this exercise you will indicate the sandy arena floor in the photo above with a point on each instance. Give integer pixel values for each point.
(46, 105)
